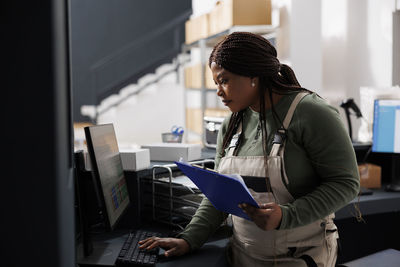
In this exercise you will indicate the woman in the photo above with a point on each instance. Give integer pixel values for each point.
(293, 152)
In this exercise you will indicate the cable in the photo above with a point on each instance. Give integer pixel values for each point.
(367, 154)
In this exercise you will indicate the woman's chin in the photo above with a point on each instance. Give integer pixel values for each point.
(234, 109)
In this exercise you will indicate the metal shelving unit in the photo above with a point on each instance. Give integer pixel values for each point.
(167, 214)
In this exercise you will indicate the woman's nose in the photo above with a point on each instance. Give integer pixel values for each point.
(219, 90)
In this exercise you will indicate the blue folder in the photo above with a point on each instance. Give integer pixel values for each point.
(224, 192)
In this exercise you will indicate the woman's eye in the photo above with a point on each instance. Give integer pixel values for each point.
(221, 82)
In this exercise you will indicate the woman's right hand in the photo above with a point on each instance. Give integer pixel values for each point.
(172, 246)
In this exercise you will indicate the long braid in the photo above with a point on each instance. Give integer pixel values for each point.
(263, 126)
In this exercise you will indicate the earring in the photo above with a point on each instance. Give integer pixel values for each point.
(253, 84)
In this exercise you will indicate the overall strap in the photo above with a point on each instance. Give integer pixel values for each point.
(279, 138)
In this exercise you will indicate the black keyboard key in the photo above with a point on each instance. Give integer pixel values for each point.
(132, 255)
(153, 259)
(122, 254)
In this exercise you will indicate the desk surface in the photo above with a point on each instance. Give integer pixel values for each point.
(385, 258)
(106, 248)
(379, 202)
(212, 254)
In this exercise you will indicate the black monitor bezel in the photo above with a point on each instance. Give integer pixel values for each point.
(96, 177)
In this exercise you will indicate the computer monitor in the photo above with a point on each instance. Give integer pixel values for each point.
(386, 127)
(108, 174)
(386, 135)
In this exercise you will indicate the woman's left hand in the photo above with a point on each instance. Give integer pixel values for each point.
(267, 217)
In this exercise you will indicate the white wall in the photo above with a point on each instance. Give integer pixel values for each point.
(299, 39)
(305, 54)
(143, 118)
(337, 46)
(359, 52)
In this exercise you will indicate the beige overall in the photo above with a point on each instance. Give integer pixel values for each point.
(314, 244)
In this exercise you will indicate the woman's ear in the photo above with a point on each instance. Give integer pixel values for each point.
(254, 81)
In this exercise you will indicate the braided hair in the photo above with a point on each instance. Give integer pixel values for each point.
(252, 55)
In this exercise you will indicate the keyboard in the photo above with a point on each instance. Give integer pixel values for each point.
(132, 255)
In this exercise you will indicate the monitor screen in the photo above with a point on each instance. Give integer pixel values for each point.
(386, 127)
(108, 172)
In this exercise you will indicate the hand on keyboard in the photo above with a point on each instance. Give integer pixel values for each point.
(172, 246)
(131, 255)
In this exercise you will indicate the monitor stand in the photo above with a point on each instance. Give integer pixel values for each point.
(394, 185)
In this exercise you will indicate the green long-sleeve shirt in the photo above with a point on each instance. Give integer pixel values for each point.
(320, 164)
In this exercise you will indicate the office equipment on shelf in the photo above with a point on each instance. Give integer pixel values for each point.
(132, 255)
(211, 128)
(175, 136)
(173, 151)
(386, 136)
(225, 192)
(171, 138)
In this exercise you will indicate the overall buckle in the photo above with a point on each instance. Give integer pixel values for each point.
(279, 136)
(234, 140)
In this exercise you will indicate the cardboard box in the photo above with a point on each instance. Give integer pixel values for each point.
(193, 77)
(194, 120)
(370, 175)
(228, 13)
(196, 28)
(174, 151)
